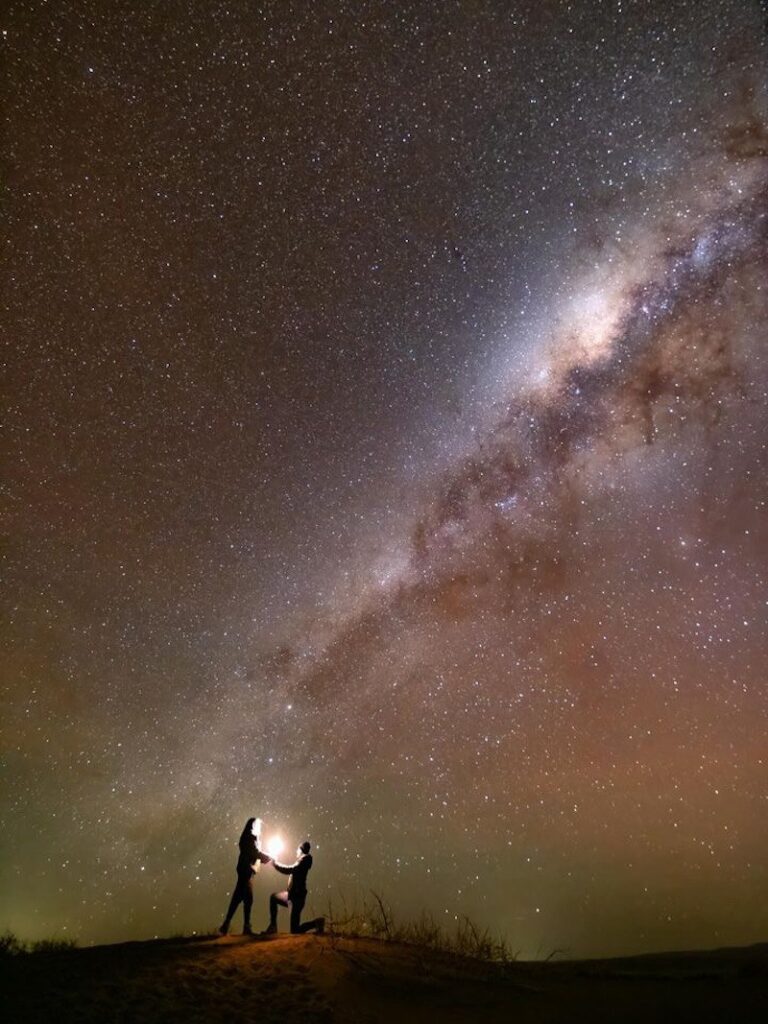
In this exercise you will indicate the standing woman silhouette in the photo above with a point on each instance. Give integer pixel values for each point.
(250, 855)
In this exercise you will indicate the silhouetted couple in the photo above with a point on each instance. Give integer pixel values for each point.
(294, 897)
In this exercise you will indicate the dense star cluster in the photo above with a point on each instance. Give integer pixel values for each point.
(385, 408)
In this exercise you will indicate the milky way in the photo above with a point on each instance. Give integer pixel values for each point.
(386, 406)
(568, 629)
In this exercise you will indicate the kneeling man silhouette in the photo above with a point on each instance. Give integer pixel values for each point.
(295, 896)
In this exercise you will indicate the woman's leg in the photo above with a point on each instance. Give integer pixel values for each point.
(242, 894)
(233, 905)
(247, 898)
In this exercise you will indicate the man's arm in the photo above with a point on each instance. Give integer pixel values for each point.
(284, 869)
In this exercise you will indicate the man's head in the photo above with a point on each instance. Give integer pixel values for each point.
(305, 847)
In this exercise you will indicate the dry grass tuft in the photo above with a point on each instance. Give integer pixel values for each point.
(11, 945)
(374, 918)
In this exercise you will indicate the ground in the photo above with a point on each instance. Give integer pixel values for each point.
(308, 978)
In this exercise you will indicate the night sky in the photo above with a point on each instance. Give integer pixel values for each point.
(385, 455)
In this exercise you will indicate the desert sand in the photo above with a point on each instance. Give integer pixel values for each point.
(288, 979)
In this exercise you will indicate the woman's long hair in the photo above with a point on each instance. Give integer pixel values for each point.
(247, 832)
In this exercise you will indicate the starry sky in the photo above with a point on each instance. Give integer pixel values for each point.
(385, 422)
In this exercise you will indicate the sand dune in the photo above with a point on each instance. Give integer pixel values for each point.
(289, 979)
